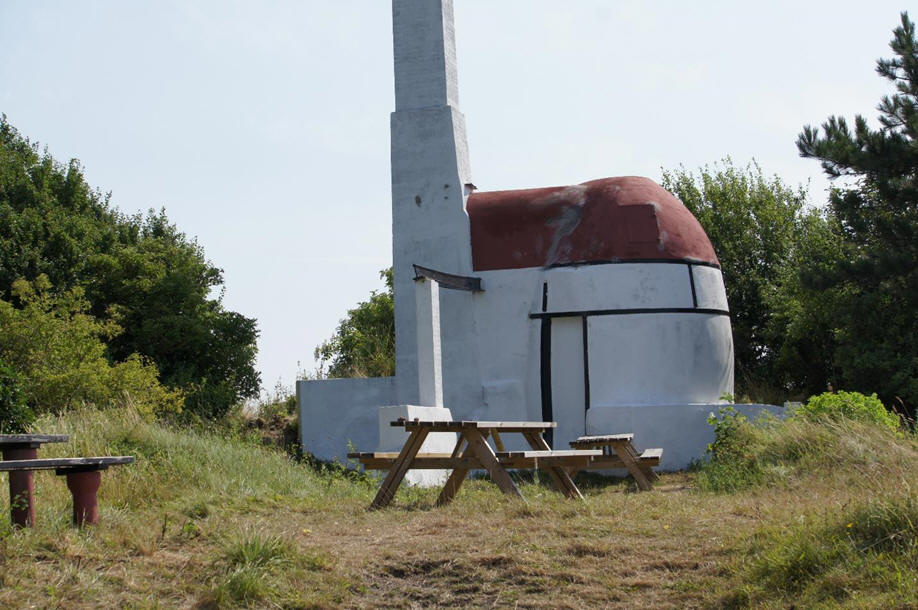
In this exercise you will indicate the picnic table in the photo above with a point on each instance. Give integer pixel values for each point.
(472, 452)
(619, 452)
(22, 484)
(84, 475)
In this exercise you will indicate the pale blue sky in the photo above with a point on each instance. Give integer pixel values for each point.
(262, 127)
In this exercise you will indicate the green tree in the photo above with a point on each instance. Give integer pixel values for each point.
(751, 221)
(159, 284)
(876, 213)
(15, 415)
(364, 343)
(141, 269)
(803, 321)
(58, 350)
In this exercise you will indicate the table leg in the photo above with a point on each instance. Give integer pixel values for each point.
(401, 466)
(457, 476)
(83, 487)
(625, 452)
(22, 488)
(483, 452)
(559, 476)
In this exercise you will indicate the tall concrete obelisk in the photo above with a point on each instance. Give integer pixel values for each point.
(429, 168)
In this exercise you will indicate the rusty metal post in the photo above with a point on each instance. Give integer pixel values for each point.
(22, 487)
(83, 487)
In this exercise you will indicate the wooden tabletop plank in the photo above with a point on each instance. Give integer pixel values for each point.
(548, 453)
(585, 441)
(30, 439)
(460, 425)
(58, 463)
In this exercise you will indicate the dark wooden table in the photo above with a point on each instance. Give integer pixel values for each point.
(22, 486)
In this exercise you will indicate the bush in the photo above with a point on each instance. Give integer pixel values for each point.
(849, 405)
(58, 350)
(15, 416)
(773, 452)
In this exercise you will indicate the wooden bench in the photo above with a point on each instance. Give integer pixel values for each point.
(619, 452)
(84, 475)
(383, 460)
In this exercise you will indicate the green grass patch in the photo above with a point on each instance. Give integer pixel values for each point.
(864, 555)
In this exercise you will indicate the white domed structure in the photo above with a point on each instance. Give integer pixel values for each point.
(600, 305)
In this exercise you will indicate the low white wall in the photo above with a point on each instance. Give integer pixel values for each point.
(681, 431)
(337, 412)
(392, 438)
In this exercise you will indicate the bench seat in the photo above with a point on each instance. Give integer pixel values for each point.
(65, 465)
(83, 478)
(383, 460)
(648, 458)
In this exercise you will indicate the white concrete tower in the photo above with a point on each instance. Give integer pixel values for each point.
(430, 226)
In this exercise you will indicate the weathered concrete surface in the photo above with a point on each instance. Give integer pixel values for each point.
(338, 413)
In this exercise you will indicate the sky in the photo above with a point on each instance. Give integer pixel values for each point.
(262, 127)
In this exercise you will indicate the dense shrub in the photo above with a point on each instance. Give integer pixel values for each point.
(850, 405)
(165, 291)
(58, 350)
(15, 415)
(820, 435)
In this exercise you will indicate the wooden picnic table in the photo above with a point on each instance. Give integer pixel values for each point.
(619, 452)
(472, 452)
(84, 474)
(22, 484)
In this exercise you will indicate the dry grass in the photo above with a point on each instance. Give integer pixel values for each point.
(202, 521)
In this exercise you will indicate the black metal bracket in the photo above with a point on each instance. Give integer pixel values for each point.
(448, 280)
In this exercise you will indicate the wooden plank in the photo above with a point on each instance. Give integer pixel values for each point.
(602, 439)
(459, 473)
(460, 425)
(399, 468)
(445, 462)
(459, 443)
(391, 455)
(498, 442)
(559, 475)
(627, 454)
(7, 440)
(614, 463)
(549, 453)
(652, 454)
(66, 463)
(480, 448)
(570, 461)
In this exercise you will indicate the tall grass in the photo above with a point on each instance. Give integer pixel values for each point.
(862, 549)
(173, 466)
(774, 452)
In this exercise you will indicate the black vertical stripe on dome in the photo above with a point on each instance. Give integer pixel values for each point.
(586, 367)
(691, 278)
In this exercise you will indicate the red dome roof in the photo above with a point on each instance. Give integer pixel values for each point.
(612, 219)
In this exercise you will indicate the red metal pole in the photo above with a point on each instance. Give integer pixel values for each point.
(83, 486)
(22, 488)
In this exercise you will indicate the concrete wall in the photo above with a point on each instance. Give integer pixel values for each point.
(430, 169)
(337, 412)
